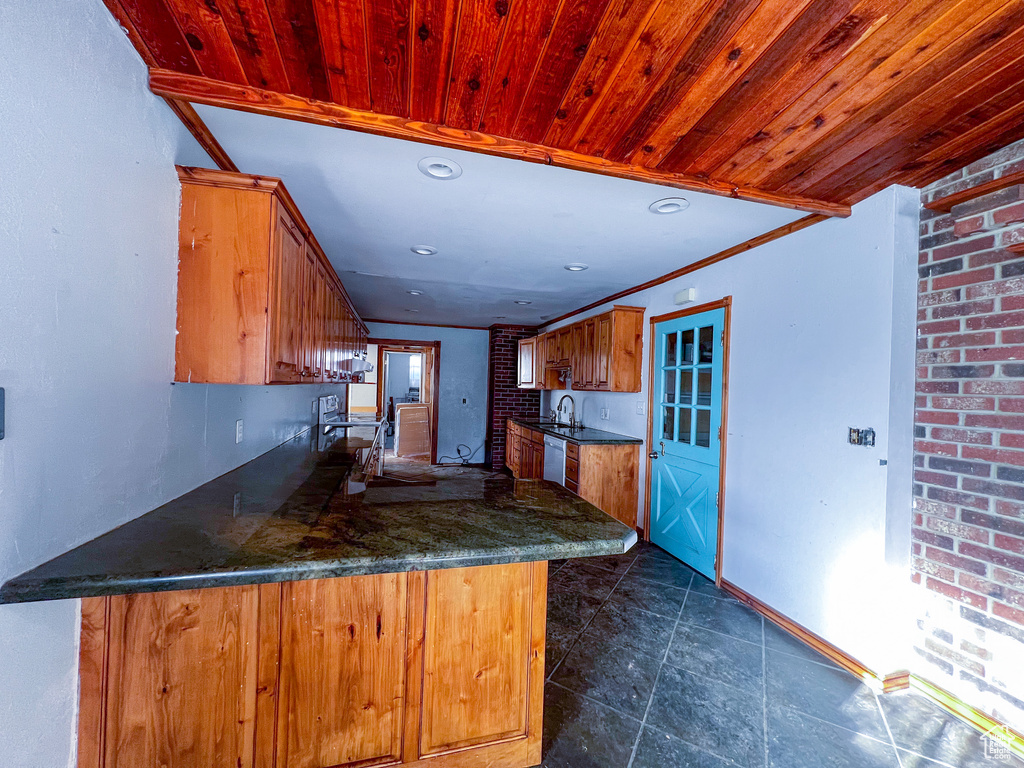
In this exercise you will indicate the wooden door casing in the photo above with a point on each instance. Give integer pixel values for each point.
(171, 655)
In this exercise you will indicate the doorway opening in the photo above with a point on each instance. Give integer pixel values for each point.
(406, 392)
(688, 395)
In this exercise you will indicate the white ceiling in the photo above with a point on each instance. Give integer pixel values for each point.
(504, 230)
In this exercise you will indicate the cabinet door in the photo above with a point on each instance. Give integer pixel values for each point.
(342, 673)
(528, 363)
(603, 352)
(288, 283)
(181, 684)
(475, 646)
(549, 342)
(319, 322)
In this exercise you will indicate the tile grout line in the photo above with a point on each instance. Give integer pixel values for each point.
(764, 691)
(590, 620)
(888, 730)
(657, 677)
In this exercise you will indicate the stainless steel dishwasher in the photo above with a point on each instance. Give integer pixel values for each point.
(554, 459)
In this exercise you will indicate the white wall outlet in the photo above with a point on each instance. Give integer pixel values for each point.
(641, 407)
(237, 508)
(238, 431)
(604, 413)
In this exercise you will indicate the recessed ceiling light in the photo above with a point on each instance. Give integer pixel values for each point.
(577, 267)
(499, 317)
(440, 168)
(415, 293)
(669, 205)
(412, 310)
(523, 302)
(424, 250)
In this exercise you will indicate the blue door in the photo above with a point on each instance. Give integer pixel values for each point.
(687, 437)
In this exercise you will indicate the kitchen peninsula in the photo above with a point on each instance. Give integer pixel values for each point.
(289, 614)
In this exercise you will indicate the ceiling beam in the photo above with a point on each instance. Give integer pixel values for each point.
(216, 93)
(202, 134)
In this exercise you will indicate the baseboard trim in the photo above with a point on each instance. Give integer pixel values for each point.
(818, 643)
(895, 681)
(984, 723)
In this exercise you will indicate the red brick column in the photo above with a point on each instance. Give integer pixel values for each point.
(506, 399)
(969, 429)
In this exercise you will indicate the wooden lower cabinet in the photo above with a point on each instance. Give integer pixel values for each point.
(524, 451)
(608, 476)
(437, 668)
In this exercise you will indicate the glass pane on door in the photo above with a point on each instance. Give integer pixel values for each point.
(707, 344)
(670, 348)
(685, 427)
(686, 386)
(668, 429)
(687, 346)
(704, 386)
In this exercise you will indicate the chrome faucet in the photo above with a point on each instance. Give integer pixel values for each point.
(572, 413)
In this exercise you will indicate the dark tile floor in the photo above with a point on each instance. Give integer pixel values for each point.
(651, 666)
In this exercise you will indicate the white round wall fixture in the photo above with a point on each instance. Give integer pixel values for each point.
(576, 267)
(440, 168)
(423, 250)
(523, 302)
(412, 310)
(669, 205)
(415, 293)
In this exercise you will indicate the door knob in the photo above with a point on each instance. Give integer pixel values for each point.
(652, 455)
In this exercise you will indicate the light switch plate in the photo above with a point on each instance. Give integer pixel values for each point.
(604, 413)
(640, 407)
(238, 431)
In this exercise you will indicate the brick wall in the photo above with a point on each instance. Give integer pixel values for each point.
(506, 399)
(969, 429)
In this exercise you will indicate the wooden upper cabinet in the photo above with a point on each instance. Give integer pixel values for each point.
(254, 288)
(527, 376)
(284, 314)
(605, 353)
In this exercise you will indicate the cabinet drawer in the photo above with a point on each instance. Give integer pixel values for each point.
(536, 437)
(572, 470)
(572, 485)
(572, 451)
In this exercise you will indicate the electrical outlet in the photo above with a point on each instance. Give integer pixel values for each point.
(463, 401)
(640, 407)
(237, 506)
(604, 413)
(238, 431)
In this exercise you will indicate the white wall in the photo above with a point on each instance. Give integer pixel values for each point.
(96, 433)
(822, 339)
(464, 360)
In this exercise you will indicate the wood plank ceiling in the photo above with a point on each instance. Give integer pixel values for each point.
(814, 104)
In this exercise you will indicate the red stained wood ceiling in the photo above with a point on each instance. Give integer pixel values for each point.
(814, 104)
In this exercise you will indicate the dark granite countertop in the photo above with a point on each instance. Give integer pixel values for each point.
(300, 512)
(586, 436)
